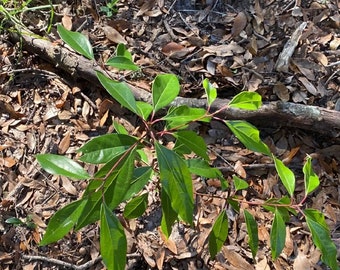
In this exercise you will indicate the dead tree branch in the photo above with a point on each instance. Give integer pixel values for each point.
(272, 114)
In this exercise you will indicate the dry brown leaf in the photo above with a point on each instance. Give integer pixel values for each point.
(103, 119)
(308, 85)
(301, 262)
(235, 259)
(239, 24)
(320, 57)
(64, 143)
(68, 186)
(225, 50)
(113, 35)
(281, 91)
(334, 44)
(240, 170)
(8, 162)
(175, 50)
(160, 255)
(148, 5)
(67, 21)
(37, 98)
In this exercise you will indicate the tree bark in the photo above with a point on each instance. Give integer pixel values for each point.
(271, 114)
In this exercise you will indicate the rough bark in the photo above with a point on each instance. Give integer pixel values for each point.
(271, 114)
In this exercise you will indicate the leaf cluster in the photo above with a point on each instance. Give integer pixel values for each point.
(124, 170)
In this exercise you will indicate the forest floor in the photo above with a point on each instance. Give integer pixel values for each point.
(237, 46)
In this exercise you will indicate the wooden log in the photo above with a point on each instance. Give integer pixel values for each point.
(271, 114)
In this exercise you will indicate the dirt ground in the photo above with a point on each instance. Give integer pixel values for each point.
(237, 45)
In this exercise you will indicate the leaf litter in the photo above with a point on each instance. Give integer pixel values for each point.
(237, 45)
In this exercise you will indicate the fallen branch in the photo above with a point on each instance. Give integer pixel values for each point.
(271, 114)
(62, 263)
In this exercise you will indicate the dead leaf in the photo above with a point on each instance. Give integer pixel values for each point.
(240, 170)
(68, 186)
(320, 57)
(301, 262)
(160, 255)
(64, 143)
(147, 5)
(67, 22)
(308, 85)
(225, 50)
(334, 44)
(239, 24)
(281, 91)
(235, 259)
(113, 35)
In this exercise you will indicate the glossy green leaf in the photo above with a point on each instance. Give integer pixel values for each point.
(184, 114)
(122, 51)
(176, 181)
(61, 165)
(169, 215)
(277, 234)
(234, 204)
(113, 244)
(202, 168)
(239, 183)
(218, 234)
(144, 109)
(248, 135)
(165, 89)
(122, 63)
(286, 175)
(246, 101)
(119, 128)
(120, 91)
(105, 147)
(14, 221)
(192, 141)
(76, 41)
(141, 176)
(62, 222)
(252, 230)
(311, 179)
(321, 237)
(136, 207)
(285, 209)
(210, 91)
(115, 189)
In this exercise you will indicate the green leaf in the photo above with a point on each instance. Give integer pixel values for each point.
(140, 178)
(234, 204)
(218, 234)
(183, 115)
(76, 41)
(144, 109)
(165, 89)
(192, 141)
(176, 181)
(14, 221)
(246, 101)
(248, 135)
(202, 168)
(277, 234)
(105, 147)
(122, 63)
(286, 175)
(122, 51)
(136, 207)
(321, 237)
(114, 188)
(62, 222)
(113, 244)
(311, 179)
(240, 183)
(119, 128)
(120, 91)
(60, 165)
(210, 91)
(252, 233)
(169, 215)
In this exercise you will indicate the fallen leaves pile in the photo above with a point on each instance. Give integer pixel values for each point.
(284, 50)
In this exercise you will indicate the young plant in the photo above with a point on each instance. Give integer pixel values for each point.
(124, 169)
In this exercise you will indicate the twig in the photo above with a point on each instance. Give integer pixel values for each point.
(62, 263)
(333, 64)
